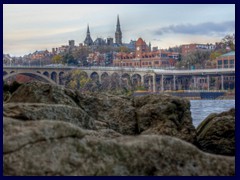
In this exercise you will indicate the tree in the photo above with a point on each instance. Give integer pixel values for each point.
(69, 59)
(57, 59)
(229, 42)
(197, 58)
(77, 79)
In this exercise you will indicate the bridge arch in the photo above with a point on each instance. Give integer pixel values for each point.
(54, 76)
(34, 75)
(61, 77)
(46, 74)
(126, 80)
(137, 80)
(148, 81)
(94, 76)
(104, 76)
(115, 80)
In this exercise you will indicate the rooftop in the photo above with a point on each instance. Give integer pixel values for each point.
(232, 53)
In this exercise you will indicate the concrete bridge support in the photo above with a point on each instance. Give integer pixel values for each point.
(222, 82)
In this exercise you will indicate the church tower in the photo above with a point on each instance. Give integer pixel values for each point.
(118, 33)
(88, 40)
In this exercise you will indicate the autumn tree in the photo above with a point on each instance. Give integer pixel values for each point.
(57, 59)
(77, 79)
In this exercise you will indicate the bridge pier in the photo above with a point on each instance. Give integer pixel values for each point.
(174, 82)
(222, 83)
(154, 82)
(162, 83)
(208, 83)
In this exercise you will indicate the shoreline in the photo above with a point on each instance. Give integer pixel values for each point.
(192, 95)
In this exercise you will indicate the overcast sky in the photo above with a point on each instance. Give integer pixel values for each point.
(27, 28)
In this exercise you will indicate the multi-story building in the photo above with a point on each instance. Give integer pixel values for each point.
(188, 48)
(226, 60)
(144, 57)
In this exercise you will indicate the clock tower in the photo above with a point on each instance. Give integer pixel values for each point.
(140, 48)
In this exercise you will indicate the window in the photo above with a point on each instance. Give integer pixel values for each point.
(225, 62)
(232, 63)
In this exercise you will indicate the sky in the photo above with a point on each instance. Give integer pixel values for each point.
(31, 27)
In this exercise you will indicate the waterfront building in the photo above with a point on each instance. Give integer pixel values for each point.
(226, 60)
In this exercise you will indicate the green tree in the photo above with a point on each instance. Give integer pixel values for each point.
(57, 59)
(229, 41)
(196, 58)
(77, 79)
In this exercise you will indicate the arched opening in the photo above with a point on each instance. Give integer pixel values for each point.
(104, 76)
(61, 78)
(26, 77)
(54, 76)
(46, 74)
(105, 81)
(148, 82)
(4, 73)
(95, 77)
(136, 81)
(126, 81)
(115, 81)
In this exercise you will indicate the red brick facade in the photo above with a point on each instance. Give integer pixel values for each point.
(143, 57)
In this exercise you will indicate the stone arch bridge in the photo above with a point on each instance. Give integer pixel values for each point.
(154, 79)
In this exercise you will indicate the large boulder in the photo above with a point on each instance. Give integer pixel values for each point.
(59, 148)
(216, 134)
(165, 115)
(40, 111)
(115, 112)
(38, 92)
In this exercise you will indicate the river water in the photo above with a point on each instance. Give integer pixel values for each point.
(200, 109)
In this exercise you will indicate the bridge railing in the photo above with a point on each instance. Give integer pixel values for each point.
(129, 69)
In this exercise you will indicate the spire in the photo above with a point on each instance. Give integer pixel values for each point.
(118, 33)
(88, 40)
(88, 32)
(118, 25)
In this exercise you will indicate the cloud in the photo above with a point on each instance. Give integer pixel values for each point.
(207, 28)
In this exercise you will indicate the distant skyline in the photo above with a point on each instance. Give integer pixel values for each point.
(27, 28)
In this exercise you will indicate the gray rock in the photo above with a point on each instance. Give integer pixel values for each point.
(113, 112)
(39, 111)
(165, 115)
(216, 134)
(152, 114)
(38, 92)
(59, 148)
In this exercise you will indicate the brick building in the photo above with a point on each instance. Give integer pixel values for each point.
(226, 60)
(188, 48)
(144, 57)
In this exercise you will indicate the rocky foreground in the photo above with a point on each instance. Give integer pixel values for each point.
(50, 130)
